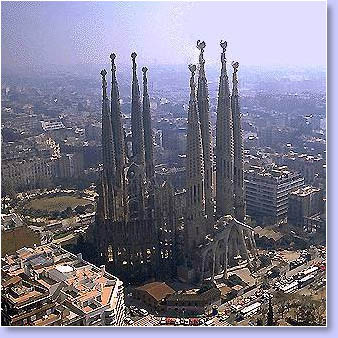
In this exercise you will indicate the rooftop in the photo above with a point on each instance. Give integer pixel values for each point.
(158, 290)
(31, 273)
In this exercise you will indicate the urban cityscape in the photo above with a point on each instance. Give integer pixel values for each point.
(149, 194)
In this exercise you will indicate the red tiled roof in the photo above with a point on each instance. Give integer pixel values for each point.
(157, 290)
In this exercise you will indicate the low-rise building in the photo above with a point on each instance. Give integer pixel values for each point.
(25, 301)
(192, 302)
(152, 294)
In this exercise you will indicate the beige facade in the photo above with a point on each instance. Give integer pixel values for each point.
(304, 203)
(34, 172)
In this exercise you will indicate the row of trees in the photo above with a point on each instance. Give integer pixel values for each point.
(66, 213)
(301, 309)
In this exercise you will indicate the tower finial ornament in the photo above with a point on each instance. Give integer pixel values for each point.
(133, 57)
(224, 45)
(113, 66)
(192, 69)
(103, 73)
(104, 82)
(235, 65)
(145, 80)
(201, 45)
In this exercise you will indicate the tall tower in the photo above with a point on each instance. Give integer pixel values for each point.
(224, 145)
(109, 169)
(148, 134)
(203, 109)
(117, 126)
(136, 118)
(238, 149)
(119, 145)
(195, 226)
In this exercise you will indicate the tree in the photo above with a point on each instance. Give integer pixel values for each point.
(68, 212)
(265, 261)
(275, 272)
(260, 322)
(270, 321)
(8, 189)
(283, 301)
(265, 283)
(80, 209)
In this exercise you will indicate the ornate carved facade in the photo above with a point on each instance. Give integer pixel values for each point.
(138, 232)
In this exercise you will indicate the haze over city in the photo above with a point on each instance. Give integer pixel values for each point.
(150, 179)
(37, 34)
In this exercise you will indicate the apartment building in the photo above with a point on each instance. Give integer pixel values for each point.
(47, 285)
(267, 192)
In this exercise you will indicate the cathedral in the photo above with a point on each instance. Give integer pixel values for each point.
(140, 233)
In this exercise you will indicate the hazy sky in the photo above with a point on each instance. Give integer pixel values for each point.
(284, 33)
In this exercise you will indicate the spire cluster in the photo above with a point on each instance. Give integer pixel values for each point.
(123, 174)
(139, 217)
(229, 150)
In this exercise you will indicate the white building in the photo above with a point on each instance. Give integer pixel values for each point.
(267, 192)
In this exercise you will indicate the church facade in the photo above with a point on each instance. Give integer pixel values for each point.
(139, 233)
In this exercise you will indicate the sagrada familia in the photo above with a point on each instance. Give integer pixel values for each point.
(139, 233)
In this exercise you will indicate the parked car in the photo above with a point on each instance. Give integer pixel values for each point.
(193, 321)
(177, 321)
(186, 321)
(163, 321)
(128, 321)
(170, 321)
(143, 312)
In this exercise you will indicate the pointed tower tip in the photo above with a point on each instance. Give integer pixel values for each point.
(133, 55)
(192, 69)
(145, 80)
(235, 65)
(224, 45)
(103, 73)
(201, 45)
(112, 56)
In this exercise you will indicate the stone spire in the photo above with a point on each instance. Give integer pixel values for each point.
(148, 133)
(195, 203)
(108, 156)
(136, 118)
(203, 109)
(117, 125)
(238, 149)
(224, 145)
